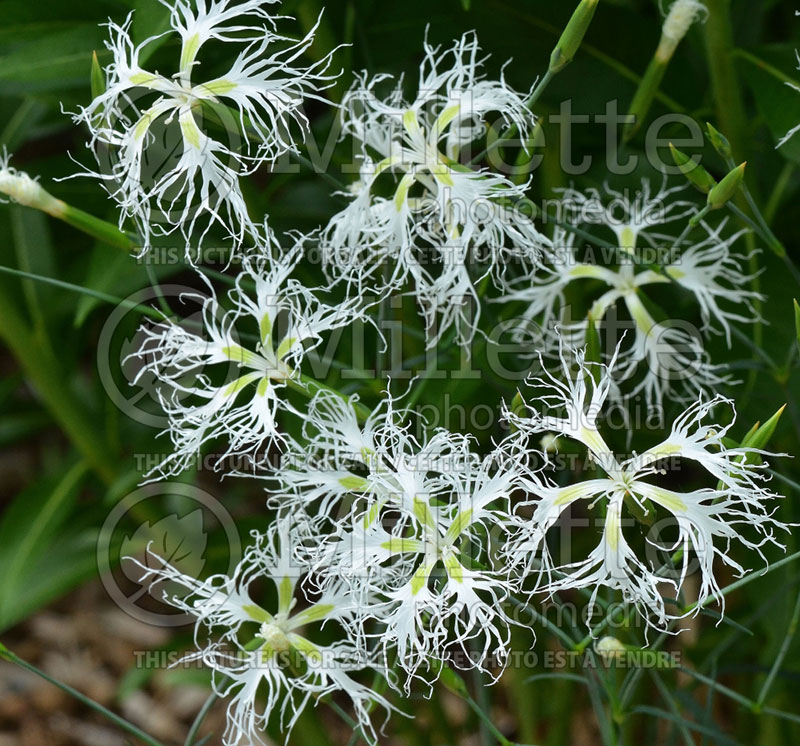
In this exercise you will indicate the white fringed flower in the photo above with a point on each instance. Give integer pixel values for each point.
(262, 652)
(442, 222)
(148, 130)
(226, 382)
(338, 456)
(667, 357)
(735, 506)
(416, 545)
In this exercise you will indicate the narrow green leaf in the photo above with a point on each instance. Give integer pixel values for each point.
(797, 320)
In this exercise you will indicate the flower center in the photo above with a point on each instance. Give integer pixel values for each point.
(274, 637)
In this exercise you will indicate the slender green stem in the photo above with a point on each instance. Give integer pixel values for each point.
(774, 201)
(784, 649)
(485, 719)
(201, 716)
(113, 717)
(343, 715)
(743, 581)
(724, 80)
(105, 297)
(512, 131)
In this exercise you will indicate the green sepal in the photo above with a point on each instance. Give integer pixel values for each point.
(694, 172)
(573, 34)
(726, 190)
(719, 141)
(97, 78)
(758, 437)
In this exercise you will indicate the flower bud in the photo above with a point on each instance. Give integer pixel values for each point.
(24, 190)
(97, 79)
(571, 39)
(719, 141)
(682, 14)
(693, 171)
(609, 648)
(725, 191)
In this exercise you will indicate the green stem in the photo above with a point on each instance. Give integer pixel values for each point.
(485, 719)
(784, 649)
(644, 96)
(116, 719)
(744, 581)
(724, 80)
(105, 297)
(201, 716)
(512, 131)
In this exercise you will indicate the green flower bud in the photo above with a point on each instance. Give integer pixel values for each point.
(719, 141)
(693, 171)
(725, 191)
(571, 39)
(97, 79)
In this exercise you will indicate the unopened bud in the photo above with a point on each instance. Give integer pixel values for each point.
(24, 190)
(719, 141)
(609, 648)
(726, 190)
(682, 14)
(571, 39)
(693, 171)
(97, 79)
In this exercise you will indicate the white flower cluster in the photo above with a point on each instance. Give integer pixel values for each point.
(398, 548)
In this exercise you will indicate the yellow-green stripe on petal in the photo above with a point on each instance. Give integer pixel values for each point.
(455, 570)
(256, 613)
(240, 355)
(460, 522)
(218, 87)
(423, 513)
(420, 578)
(372, 514)
(285, 594)
(285, 347)
(189, 128)
(263, 387)
(265, 328)
(142, 78)
(234, 387)
(401, 195)
(306, 647)
(613, 526)
(352, 483)
(447, 116)
(403, 546)
(189, 51)
(666, 498)
(315, 613)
